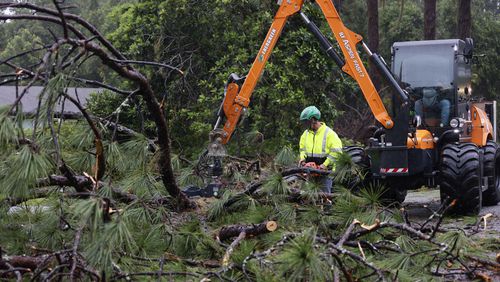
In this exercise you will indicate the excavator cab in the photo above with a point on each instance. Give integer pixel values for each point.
(438, 73)
(453, 144)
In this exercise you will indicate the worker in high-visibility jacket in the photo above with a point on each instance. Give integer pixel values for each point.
(318, 144)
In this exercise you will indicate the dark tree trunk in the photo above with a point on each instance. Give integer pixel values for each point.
(430, 20)
(338, 4)
(373, 36)
(464, 19)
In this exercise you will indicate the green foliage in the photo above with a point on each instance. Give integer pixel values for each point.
(115, 237)
(276, 185)
(138, 154)
(286, 157)
(89, 212)
(141, 182)
(310, 190)
(7, 129)
(190, 241)
(187, 177)
(485, 32)
(459, 241)
(217, 209)
(397, 25)
(300, 261)
(346, 170)
(286, 213)
(120, 109)
(372, 194)
(349, 207)
(244, 249)
(23, 40)
(20, 171)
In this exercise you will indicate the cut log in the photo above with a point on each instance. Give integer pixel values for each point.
(231, 231)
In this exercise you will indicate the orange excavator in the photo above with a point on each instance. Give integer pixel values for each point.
(410, 149)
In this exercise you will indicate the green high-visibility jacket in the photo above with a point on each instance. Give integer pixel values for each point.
(322, 144)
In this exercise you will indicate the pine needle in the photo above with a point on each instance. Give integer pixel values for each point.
(19, 172)
(8, 133)
(217, 208)
(188, 177)
(372, 194)
(300, 260)
(138, 154)
(346, 170)
(285, 157)
(276, 185)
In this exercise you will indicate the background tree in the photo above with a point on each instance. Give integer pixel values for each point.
(338, 5)
(373, 35)
(430, 19)
(145, 30)
(464, 20)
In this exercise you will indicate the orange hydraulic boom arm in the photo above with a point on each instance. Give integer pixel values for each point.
(236, 100)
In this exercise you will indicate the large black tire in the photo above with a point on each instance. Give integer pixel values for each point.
(460, 177)
(491, 196)
(360, 158)
(395, 191)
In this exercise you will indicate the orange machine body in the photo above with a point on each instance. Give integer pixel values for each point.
(422, 139)
(482, 130)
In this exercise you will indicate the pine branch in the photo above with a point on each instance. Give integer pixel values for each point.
(295, 193)
(347, 233)
(150, 64)
(154, 273)
(494, 265)
(63, 19)
(261, 255)
(334, 249)
(230, 249)
(174, 258)
(17, 271)
(100, 84)
(72, 17)
(76, 242)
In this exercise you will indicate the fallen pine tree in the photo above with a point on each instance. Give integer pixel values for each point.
(284, 227)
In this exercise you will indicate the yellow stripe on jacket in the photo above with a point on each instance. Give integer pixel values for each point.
(324, 143)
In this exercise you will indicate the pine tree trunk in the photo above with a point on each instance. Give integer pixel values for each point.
(464, 19)
(430, 20)
(338, 4)
(373, 36)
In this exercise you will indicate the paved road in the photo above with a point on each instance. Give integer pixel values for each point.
(420, 205)
(431, 198)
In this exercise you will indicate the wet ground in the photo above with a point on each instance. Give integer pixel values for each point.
(482, 228)
(421, 204)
